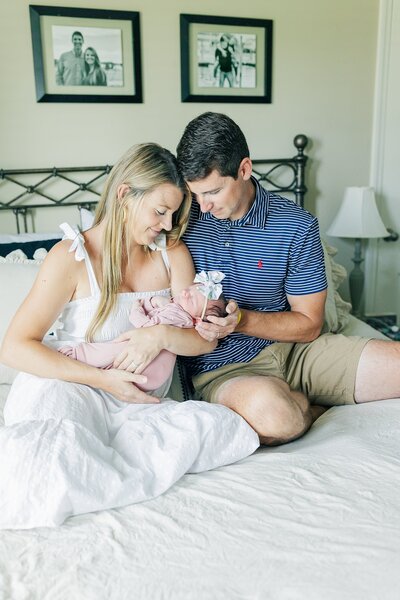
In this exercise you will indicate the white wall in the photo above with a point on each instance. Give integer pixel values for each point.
(323, 78)
(382, 263)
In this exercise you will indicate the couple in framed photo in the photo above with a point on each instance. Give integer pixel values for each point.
(79, 66)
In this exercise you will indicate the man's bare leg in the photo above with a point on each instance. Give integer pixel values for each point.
(273, 410)
(378, 373)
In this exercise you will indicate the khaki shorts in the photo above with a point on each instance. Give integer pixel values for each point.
(324, 370)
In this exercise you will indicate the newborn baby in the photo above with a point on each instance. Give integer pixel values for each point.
(194, 303)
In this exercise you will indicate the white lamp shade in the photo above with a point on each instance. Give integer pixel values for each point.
(358, 216)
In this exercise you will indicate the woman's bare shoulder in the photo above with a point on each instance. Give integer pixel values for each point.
(60, 257)
(59, 275)
(177, 248)
(182, 268)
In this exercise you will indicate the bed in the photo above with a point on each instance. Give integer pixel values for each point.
(316, 518)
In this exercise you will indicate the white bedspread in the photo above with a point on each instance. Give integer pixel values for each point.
(317, 519)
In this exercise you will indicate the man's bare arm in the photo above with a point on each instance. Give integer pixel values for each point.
(302, 323)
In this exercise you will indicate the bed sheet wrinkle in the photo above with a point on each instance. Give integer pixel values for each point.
(334, 537)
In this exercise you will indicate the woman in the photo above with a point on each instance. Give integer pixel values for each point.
(78, 438)
(94, 74)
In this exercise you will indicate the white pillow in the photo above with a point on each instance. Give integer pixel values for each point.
(17, 274)
(87, 218)
(15, 238)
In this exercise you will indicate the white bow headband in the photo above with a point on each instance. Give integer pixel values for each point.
(210, 286)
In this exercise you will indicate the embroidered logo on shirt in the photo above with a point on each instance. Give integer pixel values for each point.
(259, 264)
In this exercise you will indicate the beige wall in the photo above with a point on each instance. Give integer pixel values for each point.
(323, 77)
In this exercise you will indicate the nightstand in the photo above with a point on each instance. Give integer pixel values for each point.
(386, 325)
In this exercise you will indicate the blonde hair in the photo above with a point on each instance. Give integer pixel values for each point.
(142, 168)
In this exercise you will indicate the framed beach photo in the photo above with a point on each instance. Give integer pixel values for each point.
(86, 55)
(225, 59)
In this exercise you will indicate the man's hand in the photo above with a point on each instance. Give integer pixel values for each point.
(143, 346)
(121, 385)
(220, 327)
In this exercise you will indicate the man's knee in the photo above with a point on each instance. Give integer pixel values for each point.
(284, 419)
(276, 413)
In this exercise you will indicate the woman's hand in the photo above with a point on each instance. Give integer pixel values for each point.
(220, 327)
(121, 384)
(143, 346)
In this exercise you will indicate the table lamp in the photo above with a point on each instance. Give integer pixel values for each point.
(358, 218)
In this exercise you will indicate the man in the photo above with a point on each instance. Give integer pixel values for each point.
(224, 62)
(71, 65)
(271, 357)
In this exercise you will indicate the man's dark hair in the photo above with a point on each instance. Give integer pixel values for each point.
(211, 141)
(77, 33)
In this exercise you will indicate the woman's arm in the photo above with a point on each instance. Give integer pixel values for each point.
(145, 344)
(22, 348)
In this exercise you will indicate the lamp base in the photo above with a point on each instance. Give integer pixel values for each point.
(356, 282)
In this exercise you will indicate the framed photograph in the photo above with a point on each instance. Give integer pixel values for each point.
(225, 59)
(86, 55)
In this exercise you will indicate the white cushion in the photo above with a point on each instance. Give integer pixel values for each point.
(17, 275)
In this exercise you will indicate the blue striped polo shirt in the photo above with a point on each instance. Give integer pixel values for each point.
(273, 250)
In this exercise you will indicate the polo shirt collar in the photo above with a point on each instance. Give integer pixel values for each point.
(256, 215)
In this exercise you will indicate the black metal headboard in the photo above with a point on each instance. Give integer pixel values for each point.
(285, 174)
(25, 190)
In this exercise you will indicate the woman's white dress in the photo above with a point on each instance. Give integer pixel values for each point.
(68, 448)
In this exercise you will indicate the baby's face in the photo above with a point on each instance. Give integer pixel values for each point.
(191, 300)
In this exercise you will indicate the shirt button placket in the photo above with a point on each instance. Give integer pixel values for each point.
(227, 243)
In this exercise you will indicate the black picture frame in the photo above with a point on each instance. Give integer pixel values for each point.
(254, 37)
(123, 79)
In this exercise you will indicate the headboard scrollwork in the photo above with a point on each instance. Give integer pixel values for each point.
(285, 174)
(25, 190)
